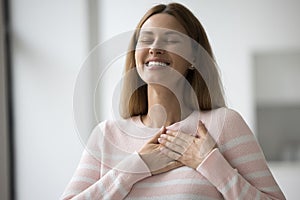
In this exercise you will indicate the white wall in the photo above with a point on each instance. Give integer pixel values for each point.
(277, 73)
(49, 45)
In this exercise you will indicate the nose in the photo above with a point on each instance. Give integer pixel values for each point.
(156, 51)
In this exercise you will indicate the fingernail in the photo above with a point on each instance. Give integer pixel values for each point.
(168, 131)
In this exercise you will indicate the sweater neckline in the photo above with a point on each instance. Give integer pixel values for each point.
(193, 115)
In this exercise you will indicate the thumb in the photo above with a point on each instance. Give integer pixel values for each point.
(154, 139)
(201, 129)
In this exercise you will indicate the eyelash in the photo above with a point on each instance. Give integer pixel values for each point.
(145, 41)
(149, 41)
(172, 41)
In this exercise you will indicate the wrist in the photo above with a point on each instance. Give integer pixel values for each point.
(201, 159)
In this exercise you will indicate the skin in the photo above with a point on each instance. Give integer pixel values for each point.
(152, 45)
(168, 149)
(187, 149)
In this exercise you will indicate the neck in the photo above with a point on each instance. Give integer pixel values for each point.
(164, 108)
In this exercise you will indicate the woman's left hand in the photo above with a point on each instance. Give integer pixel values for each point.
(189, 150)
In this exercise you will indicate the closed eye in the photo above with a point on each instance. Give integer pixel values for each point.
(173, 41)
(145, 41)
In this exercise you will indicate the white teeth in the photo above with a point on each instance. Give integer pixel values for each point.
(153, 63)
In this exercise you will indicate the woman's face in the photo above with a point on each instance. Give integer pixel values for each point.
(161, 48)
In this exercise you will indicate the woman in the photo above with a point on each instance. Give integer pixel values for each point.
(202, 150)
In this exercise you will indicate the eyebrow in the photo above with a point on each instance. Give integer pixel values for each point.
(146, 32)
(166, 33)
(174, 33)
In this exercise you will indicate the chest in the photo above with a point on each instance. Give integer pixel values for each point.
(180, 183)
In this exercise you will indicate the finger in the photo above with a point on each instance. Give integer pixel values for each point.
(154, 139)
(171, 154)
(181, 135)
(172, 139)
(172, 146)
(201, 129)
(180, 144)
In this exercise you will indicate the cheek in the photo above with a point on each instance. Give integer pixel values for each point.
(139, 56)
(181, 65)
(139, 61)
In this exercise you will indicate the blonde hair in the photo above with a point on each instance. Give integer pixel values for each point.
(207, 85)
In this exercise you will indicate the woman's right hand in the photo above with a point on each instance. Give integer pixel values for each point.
(156, 161)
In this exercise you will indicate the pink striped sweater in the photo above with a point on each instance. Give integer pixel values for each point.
(110, 168)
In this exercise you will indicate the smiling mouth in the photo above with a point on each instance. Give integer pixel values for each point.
(157, 64)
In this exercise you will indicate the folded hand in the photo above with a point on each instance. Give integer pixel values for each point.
(187, 149)
(157, 161)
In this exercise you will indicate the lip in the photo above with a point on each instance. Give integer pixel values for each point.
(154, 59)
(159, 60)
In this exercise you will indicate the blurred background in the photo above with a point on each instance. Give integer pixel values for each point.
(44, 45)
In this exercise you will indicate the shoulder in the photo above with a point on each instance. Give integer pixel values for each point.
(223, 115)
(108, 129)
(112, 125)
(234, 126)
(226, 114)
(118, 127)
(222, 121)
(233, 119)
(232, 115)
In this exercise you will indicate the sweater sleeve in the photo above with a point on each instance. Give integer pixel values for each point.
(88, 183)
(237, 168)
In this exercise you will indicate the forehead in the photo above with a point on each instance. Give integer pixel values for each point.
(165, 21)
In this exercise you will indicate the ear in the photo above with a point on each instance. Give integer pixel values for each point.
(193, 63)
(191, 67)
